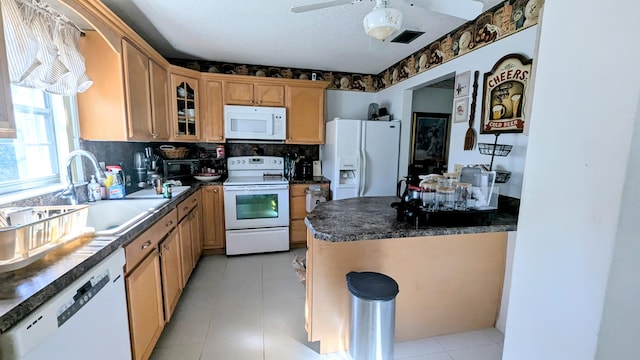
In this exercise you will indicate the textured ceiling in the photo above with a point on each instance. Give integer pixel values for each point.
(268, 33)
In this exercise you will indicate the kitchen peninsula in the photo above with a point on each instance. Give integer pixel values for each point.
(450, 278)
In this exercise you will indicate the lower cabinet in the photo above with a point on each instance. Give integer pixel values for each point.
(213, 234)
(144, 298)
(171, 271)
(298, 211)
(190, 234)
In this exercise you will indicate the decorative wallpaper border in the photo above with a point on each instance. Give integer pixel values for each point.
(494, 24)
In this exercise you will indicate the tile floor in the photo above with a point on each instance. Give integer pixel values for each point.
(252, 307)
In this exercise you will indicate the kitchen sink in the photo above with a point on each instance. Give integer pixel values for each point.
(109, 217)
(151, 193)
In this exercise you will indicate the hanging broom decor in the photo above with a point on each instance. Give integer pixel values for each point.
(470, 136)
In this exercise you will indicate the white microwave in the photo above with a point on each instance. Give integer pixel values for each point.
(255, 122)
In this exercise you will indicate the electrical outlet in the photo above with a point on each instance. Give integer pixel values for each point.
(457, 168)
(128, 180)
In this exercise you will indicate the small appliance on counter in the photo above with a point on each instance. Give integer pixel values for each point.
(304, 170)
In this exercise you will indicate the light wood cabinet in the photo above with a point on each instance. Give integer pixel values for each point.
(144, 297)
(196, 233)
(190, 233)
(7, 117)
(129, 95)
(171, 272)
(144, 285)
(137, 92)
(298, 211)
(212, 107)
(185, 108)
(305, 114)
(185, 245)
(159, 78)
(253, 93)
(213, 217)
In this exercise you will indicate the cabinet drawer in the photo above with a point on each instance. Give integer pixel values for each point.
(297, 190)
(187, 205)
(136, 250)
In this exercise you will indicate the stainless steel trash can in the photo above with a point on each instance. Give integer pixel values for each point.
(373, 311)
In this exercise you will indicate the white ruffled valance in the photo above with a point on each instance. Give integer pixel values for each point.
(43, 48)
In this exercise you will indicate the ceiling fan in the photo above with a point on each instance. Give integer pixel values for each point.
(384, 21)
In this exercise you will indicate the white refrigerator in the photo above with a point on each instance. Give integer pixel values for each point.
(360, 157)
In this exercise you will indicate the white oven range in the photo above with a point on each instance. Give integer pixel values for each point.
(256, 205)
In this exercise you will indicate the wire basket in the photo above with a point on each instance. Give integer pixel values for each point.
(177, 153)
(502, 176)
(494, 149)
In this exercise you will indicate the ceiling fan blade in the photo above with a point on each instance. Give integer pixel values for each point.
(464, 9)
(311, 7)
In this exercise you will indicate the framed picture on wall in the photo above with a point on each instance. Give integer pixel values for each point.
(430, 137)
(461, 87)
(460, 109)
(504, 95)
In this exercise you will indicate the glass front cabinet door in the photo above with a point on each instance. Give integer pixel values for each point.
(186, 124)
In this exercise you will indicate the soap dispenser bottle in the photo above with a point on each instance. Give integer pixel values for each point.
(94, 190)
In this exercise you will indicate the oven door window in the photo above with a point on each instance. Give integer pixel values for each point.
(259, 206)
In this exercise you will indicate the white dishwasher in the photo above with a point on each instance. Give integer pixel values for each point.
(86, 320)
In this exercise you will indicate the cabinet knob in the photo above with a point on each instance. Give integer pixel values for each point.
(146, 244)
(154, 135)
(215, 191)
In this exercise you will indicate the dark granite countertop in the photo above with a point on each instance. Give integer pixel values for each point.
(371, 218)
(24, 290)
(315, 180)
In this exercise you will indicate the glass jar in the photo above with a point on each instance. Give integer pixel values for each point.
(220, 151)
(429, 195)
(450, 178)
(445, 198)
(463, 194)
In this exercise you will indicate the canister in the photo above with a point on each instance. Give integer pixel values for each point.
(220, 151)
(445, 197)
(166, 190)
(429, 195)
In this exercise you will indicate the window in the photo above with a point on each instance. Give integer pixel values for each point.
(35, 157)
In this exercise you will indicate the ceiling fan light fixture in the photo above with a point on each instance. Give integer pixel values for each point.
(383, 21)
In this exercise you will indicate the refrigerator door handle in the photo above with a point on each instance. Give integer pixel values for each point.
(363, 170)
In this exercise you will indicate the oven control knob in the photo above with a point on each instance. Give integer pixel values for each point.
(231, 162)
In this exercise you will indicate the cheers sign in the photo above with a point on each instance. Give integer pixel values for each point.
(505, 87)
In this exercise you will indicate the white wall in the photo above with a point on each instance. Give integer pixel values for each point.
(347, 104)
(398, 99)
(435, 100)
(585, 104)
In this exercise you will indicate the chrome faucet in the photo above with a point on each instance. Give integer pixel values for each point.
(69, 192)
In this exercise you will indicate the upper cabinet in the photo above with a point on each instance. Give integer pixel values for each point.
(7, 120)
(185, 108)
(159, 78)
(253, 93)
(128, 99)
(305, 113)
(211, 108)
(137, 92)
